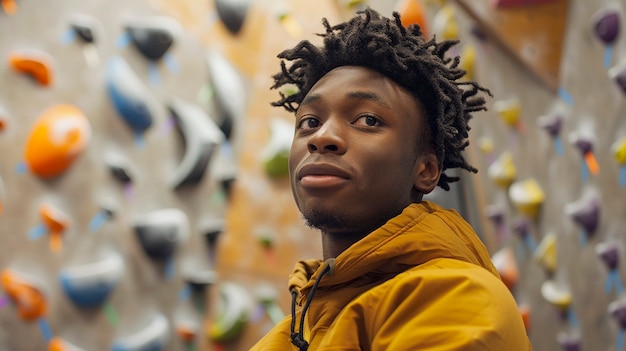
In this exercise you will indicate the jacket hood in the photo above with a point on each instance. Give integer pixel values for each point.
(395, 247)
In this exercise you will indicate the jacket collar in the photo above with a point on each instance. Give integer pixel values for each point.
(423, 231)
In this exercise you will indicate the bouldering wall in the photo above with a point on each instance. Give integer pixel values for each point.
(114, 173)
(550, 151)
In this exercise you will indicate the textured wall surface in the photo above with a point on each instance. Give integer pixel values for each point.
(145, 289)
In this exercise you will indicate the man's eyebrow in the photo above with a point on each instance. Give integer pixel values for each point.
(309, 99)
(357, 95)
(366, 95)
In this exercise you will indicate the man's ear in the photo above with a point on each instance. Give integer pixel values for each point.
(427, 172)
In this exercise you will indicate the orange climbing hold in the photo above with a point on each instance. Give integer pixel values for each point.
(58, 137)
(412, 12)
(186, 333)
(56, 222)
(525, 312)
(30, 301)
(36, 64)
(56, 344)
(9, 7)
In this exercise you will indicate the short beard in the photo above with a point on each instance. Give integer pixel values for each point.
(324, 221)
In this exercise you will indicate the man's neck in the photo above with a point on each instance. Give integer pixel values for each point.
(336, 243)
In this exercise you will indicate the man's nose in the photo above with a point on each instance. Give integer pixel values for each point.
(328, 138)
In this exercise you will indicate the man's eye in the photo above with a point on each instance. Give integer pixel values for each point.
(369, 121)
(309, 123)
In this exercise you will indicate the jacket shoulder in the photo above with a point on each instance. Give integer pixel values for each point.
(442, 302)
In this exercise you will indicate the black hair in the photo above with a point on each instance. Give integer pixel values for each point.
(402, 54)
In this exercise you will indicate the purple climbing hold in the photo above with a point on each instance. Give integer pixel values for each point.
(552, 124)
(585, 212)
(607, 26)
(609, 254)
(617, 309)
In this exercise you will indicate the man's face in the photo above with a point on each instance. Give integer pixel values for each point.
(355, 151)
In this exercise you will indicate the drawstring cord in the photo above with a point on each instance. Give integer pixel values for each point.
(298, 338)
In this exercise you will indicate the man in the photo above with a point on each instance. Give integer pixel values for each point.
(380, 115)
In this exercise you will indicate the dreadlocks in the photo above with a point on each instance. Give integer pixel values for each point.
(402, 54)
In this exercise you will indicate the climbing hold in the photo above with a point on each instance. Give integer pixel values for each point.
(609, 254)
(546, 253)
(187, 331)
(525, 312)
(57, 138)
(212, 230)
(619, 151)
(9, 7)
(129, 96)
(502, 171)
(569, 341)
(552, 124)
(521, 228)
(496, 214)
(556, 294)
(267, 295)
(84, 28)
(527, 197)
(152, 337)
(291, 24)
(201, 135)
(412, 12)
(23, 292)
(230, 92)
(617, 73)
(89, 285)
(37, 64)
(606, 25)
(55, 222)
(585, 212)
(504, 261)
(199, 280)
(153, 36)
(445, 26)
(468, 61)
(160, 232)
(510, 112)
(235, 307)
(617, 309)
(275, 155)
(119, 167)
(58, 344)
(584, 144)
(232, 13)
(486, 145)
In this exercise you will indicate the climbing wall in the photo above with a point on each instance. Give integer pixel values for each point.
(116, 161)
(551, 156)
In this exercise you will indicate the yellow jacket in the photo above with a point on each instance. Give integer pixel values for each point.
(423, 281)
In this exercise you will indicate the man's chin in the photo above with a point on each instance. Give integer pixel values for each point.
(324, 221)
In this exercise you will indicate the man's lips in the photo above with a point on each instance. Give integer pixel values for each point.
(319, 175)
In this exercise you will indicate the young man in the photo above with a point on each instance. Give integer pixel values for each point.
(380, 115)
